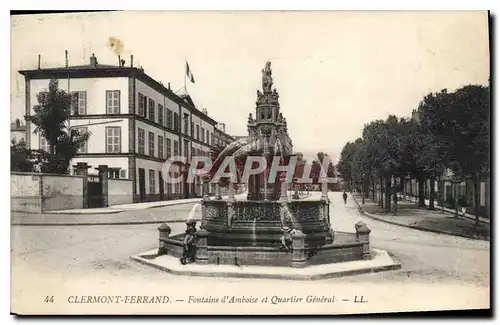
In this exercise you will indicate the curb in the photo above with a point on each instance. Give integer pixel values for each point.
(300, 277)
(114, 211)
(120, 223)
(449, 233)
(447, 210)
(56, 213)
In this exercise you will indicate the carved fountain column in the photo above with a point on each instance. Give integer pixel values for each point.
(217, 191)
(231, 191)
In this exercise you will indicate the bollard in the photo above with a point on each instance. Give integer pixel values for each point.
(164, 232)
(202, 246)
(298, 254)
(363, 235)
(217, 192)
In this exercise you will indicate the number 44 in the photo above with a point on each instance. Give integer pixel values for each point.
(49, 299)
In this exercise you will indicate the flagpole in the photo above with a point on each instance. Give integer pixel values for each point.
(185, 75)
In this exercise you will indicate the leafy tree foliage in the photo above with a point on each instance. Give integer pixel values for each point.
(51, 114)
(449, 131)
(21, 159)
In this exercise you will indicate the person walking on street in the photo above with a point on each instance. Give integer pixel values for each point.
(345, 197)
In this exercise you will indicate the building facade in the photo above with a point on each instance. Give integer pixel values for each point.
(135, 122)
(221, 138)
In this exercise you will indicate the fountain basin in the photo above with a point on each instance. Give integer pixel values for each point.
(260, 223)
(345, 248)
(246, 232)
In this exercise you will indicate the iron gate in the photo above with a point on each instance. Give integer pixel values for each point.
(94, 192)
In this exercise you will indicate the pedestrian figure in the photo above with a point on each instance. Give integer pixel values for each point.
(286, 239)
(344, 196)
(188, 249)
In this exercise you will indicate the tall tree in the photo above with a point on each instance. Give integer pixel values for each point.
(321, 155)
(51, 114)
(345, 165)
(431, 143)
(300, 156)
(469, 129)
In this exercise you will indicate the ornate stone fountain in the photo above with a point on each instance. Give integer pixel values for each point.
(255, 230)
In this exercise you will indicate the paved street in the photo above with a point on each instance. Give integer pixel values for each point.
(105, 250)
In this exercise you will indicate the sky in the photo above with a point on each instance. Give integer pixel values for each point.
(334, 71)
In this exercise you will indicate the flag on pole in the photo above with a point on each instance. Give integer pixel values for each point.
(189, 74)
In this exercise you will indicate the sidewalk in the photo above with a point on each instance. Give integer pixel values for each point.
(414, 199)
(126, 207)
(411, 216)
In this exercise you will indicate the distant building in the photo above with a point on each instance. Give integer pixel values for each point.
(221, 138)
(136, 123)
(238, 137)
(17, 131)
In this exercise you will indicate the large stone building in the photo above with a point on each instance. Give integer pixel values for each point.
(136, 123)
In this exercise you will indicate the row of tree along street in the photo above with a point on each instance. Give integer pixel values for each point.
(450, 131)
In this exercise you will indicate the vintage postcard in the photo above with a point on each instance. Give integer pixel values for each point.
(208, 163)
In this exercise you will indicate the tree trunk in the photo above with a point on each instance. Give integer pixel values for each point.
(421, 194)
(388, 189)
(403, 188)
(52, 144)
(366, 188)
(432, 193)
(477, 197)
(395, 197)
(373, 189)
(440, 193)
(382, 192)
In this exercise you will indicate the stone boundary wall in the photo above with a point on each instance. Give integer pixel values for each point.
(36, 193)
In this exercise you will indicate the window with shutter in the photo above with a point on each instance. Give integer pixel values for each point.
(113, 139)
(112, 101)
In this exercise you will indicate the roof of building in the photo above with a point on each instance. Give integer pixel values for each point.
(217, 130)
(106, 70)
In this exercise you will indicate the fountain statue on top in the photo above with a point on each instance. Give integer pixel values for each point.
(269, 136)
(268, 227)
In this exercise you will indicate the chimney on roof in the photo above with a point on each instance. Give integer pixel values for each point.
(39, 58)
(169, 85)
(131, 60)
(18, 123)
(93, 61)
(66, 58)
